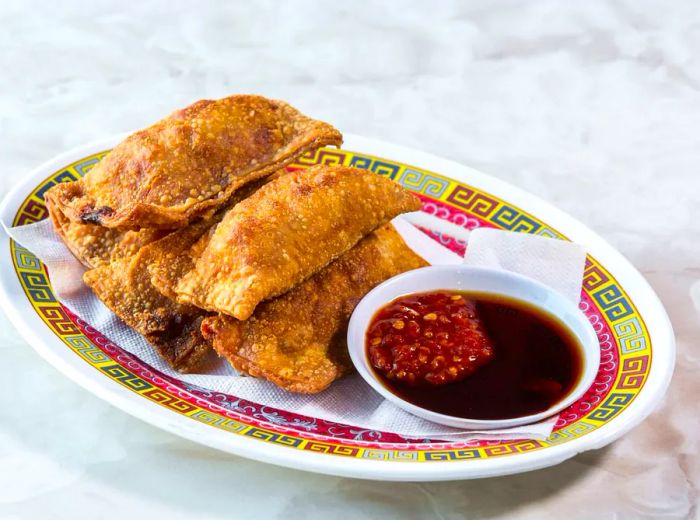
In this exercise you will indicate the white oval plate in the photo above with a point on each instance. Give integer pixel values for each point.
(637, 342)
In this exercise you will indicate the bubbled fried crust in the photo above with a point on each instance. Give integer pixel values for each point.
(95, 245)
(173, 256)
(289, 229)
(122, 281)
(171, 328)
(190, 162)
(297, 340)
(167, 259)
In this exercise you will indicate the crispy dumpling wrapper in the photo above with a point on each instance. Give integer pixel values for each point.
(124, 285)
(190, 163)
(289, 229)
(95, 245)
(174, 255)
(171, 328)
(297, 340)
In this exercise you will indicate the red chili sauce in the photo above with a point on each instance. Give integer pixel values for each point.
(472, 355)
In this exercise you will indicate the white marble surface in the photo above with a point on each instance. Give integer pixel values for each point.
(593, 105)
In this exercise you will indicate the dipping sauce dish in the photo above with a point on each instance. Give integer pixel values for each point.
(473, 348)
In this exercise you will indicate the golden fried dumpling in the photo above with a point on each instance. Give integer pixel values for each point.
(286, 231)
(190, 163)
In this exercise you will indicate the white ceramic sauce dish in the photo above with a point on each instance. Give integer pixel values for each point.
(484, 281)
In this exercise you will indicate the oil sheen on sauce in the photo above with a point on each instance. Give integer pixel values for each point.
(536, 363)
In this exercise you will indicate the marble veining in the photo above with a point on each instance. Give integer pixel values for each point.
(594, 106)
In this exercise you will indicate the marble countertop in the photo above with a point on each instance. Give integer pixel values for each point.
(594, 106)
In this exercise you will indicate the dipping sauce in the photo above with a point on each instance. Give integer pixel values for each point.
(428, 339)
(494, 358)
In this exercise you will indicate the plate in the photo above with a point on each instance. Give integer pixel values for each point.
(636, 338)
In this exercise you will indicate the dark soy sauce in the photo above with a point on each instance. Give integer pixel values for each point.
(537, 363)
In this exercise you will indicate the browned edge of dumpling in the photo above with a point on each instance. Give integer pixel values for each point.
(174, 330)
(216, 328)
(91, 249)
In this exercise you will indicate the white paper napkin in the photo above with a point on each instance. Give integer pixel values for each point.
(555, 263)
(350, 400)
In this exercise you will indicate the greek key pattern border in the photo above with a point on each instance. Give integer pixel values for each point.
(630, 334)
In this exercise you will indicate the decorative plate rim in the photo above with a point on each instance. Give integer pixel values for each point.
(648, 305)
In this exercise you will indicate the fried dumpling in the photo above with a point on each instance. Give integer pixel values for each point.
(171, 328)
(124, 285)
(289, 229)
(189, 163)
(297, 340)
